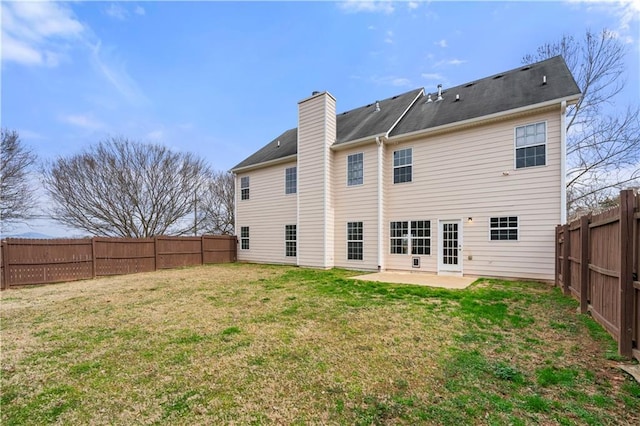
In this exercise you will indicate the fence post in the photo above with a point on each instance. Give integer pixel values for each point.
(202, 249)
(584, 263)
(93, 257)
(5, 265)
(155, 253)
(557, 258)
(566, 264)
(625, 339)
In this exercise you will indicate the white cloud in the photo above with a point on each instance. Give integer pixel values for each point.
(84, 121)
(115, 72)
(442, 43)
(37, 33)
(412, 5)
(155, 135)
(371, 27)
(389, 37)
(139, 10)
(391, 80)
(432, 76)
(454, 62)
(373, 6)
(117, 12)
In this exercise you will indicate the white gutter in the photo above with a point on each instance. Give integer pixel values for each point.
(264, 164)
(356, 142)
(483, 118)
(380, 205)
(563, 163)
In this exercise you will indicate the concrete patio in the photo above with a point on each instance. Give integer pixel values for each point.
(418, 278)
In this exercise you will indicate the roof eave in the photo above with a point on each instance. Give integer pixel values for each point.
(356, 142)
(471, 121)
(273, 162)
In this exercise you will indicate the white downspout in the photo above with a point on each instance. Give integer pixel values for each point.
(563, 162)
(380, 204)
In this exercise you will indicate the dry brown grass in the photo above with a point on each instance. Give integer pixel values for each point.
(243, 344)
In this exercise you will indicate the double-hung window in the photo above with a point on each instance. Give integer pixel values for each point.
(503, 228)
(290, 180)
(531, 143)
(421, 237)
(355, 241)
(399, 232)
(355, 168)
(402, 165)
(290, 240)
(244, 238)
(244, 188)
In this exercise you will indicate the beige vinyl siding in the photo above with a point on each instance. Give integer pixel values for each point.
(316, 132)
(458, 175)
(266, 213)
(358, 203)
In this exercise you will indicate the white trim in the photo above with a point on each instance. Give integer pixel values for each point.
(325, 176)
(480, 119)
(393, 126)
(265, 164)
(297, 219)
(441, 266)
(235, 205)
(563, 163)
(347, 240)
(380, 205)
(517, 228)
(285, 181)
(347, 161)
(355, 143)
(516, 147)
(393, 166)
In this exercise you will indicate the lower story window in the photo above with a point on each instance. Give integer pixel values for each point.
(244, 238)
(290, 240)
(503, 228)
(399, 232)
(355, 241)
(421, 237)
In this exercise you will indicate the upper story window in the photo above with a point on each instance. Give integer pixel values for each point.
(503, 228)
(355, 168)
(291, 180)
(531, 142)
(402, 165)
(244, 188)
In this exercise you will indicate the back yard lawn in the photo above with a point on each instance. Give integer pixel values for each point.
(249, 344)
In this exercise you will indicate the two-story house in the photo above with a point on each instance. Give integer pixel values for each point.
(466, 180)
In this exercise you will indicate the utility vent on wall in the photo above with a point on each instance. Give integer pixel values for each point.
(415, 262)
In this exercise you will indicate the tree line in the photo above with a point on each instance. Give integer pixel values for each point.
(120, 187)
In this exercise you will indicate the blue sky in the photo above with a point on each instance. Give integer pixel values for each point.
(221, 79)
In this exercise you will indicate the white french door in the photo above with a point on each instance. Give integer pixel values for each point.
(450, 246)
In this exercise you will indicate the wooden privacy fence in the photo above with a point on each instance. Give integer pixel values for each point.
(30, 261)
(597, 262)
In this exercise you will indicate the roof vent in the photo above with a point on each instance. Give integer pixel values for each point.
(278, 144)
(377, 106)
(526, 68)
(457, 97)
(469, 85)
(439, 92)
(429, 100)
(544, 79)
(497, 77)
(315, 92)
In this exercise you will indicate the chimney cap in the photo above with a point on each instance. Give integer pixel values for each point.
(315, 92)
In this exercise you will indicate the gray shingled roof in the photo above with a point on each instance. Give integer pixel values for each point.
(501, 92)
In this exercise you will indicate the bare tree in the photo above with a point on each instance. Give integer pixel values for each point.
(127, 189)
(217, 204)
(17, 198)
(603, 151)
